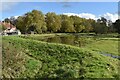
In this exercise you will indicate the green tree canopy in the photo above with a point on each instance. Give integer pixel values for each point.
(53, 22)
(117, 25)
(20, 24)
(67, 24)
(77, 23)
(100, 26)
(35, 21)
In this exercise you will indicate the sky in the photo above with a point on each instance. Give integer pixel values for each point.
(60, 0)
(93, 10)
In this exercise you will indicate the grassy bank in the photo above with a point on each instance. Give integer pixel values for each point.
(33, 58)
(104, 43)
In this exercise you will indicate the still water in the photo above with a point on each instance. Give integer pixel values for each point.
(75, 40)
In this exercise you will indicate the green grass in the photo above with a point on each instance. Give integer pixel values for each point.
(54, 60)
(105, 45)
(16, 63)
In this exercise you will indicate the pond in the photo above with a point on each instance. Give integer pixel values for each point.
(75, 40)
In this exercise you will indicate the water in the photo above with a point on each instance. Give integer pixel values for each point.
(75, 40)
(110, 55)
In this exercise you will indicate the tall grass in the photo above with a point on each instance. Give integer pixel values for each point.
(52, 60)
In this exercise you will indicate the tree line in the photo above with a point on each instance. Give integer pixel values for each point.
(37, 22)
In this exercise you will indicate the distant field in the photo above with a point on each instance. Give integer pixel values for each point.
(25, 57)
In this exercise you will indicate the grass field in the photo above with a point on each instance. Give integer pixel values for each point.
(25, 57)
(105, 45)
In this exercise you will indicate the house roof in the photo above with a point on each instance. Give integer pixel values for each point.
(7, 25)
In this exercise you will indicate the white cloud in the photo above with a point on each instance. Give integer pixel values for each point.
(108, 16)
(14, 16)
(87, 16)
(82, 15)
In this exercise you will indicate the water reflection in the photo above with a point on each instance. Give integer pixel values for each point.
(61, 39)
(69, 39)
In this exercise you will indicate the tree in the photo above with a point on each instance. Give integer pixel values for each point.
(111, 28)
(117, 25)
(77, 23)
(7, 20)
(104, 25)
(97, 28)
(100, 26)
(93, 24)
(35, 21)
(32, 21)
(13, 20)
(53, 22)
(103, 20)
(2, 27)
(20, 24)
(67, 24)
(88, 26)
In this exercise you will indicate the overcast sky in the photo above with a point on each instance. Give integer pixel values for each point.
(92, 10)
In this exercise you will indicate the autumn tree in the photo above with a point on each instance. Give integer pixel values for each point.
(53, 22)
(77, 22)
(35, 21)
(20, 24)
(32, 21)
(67, 24)
(93, 24)
(86, 23)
